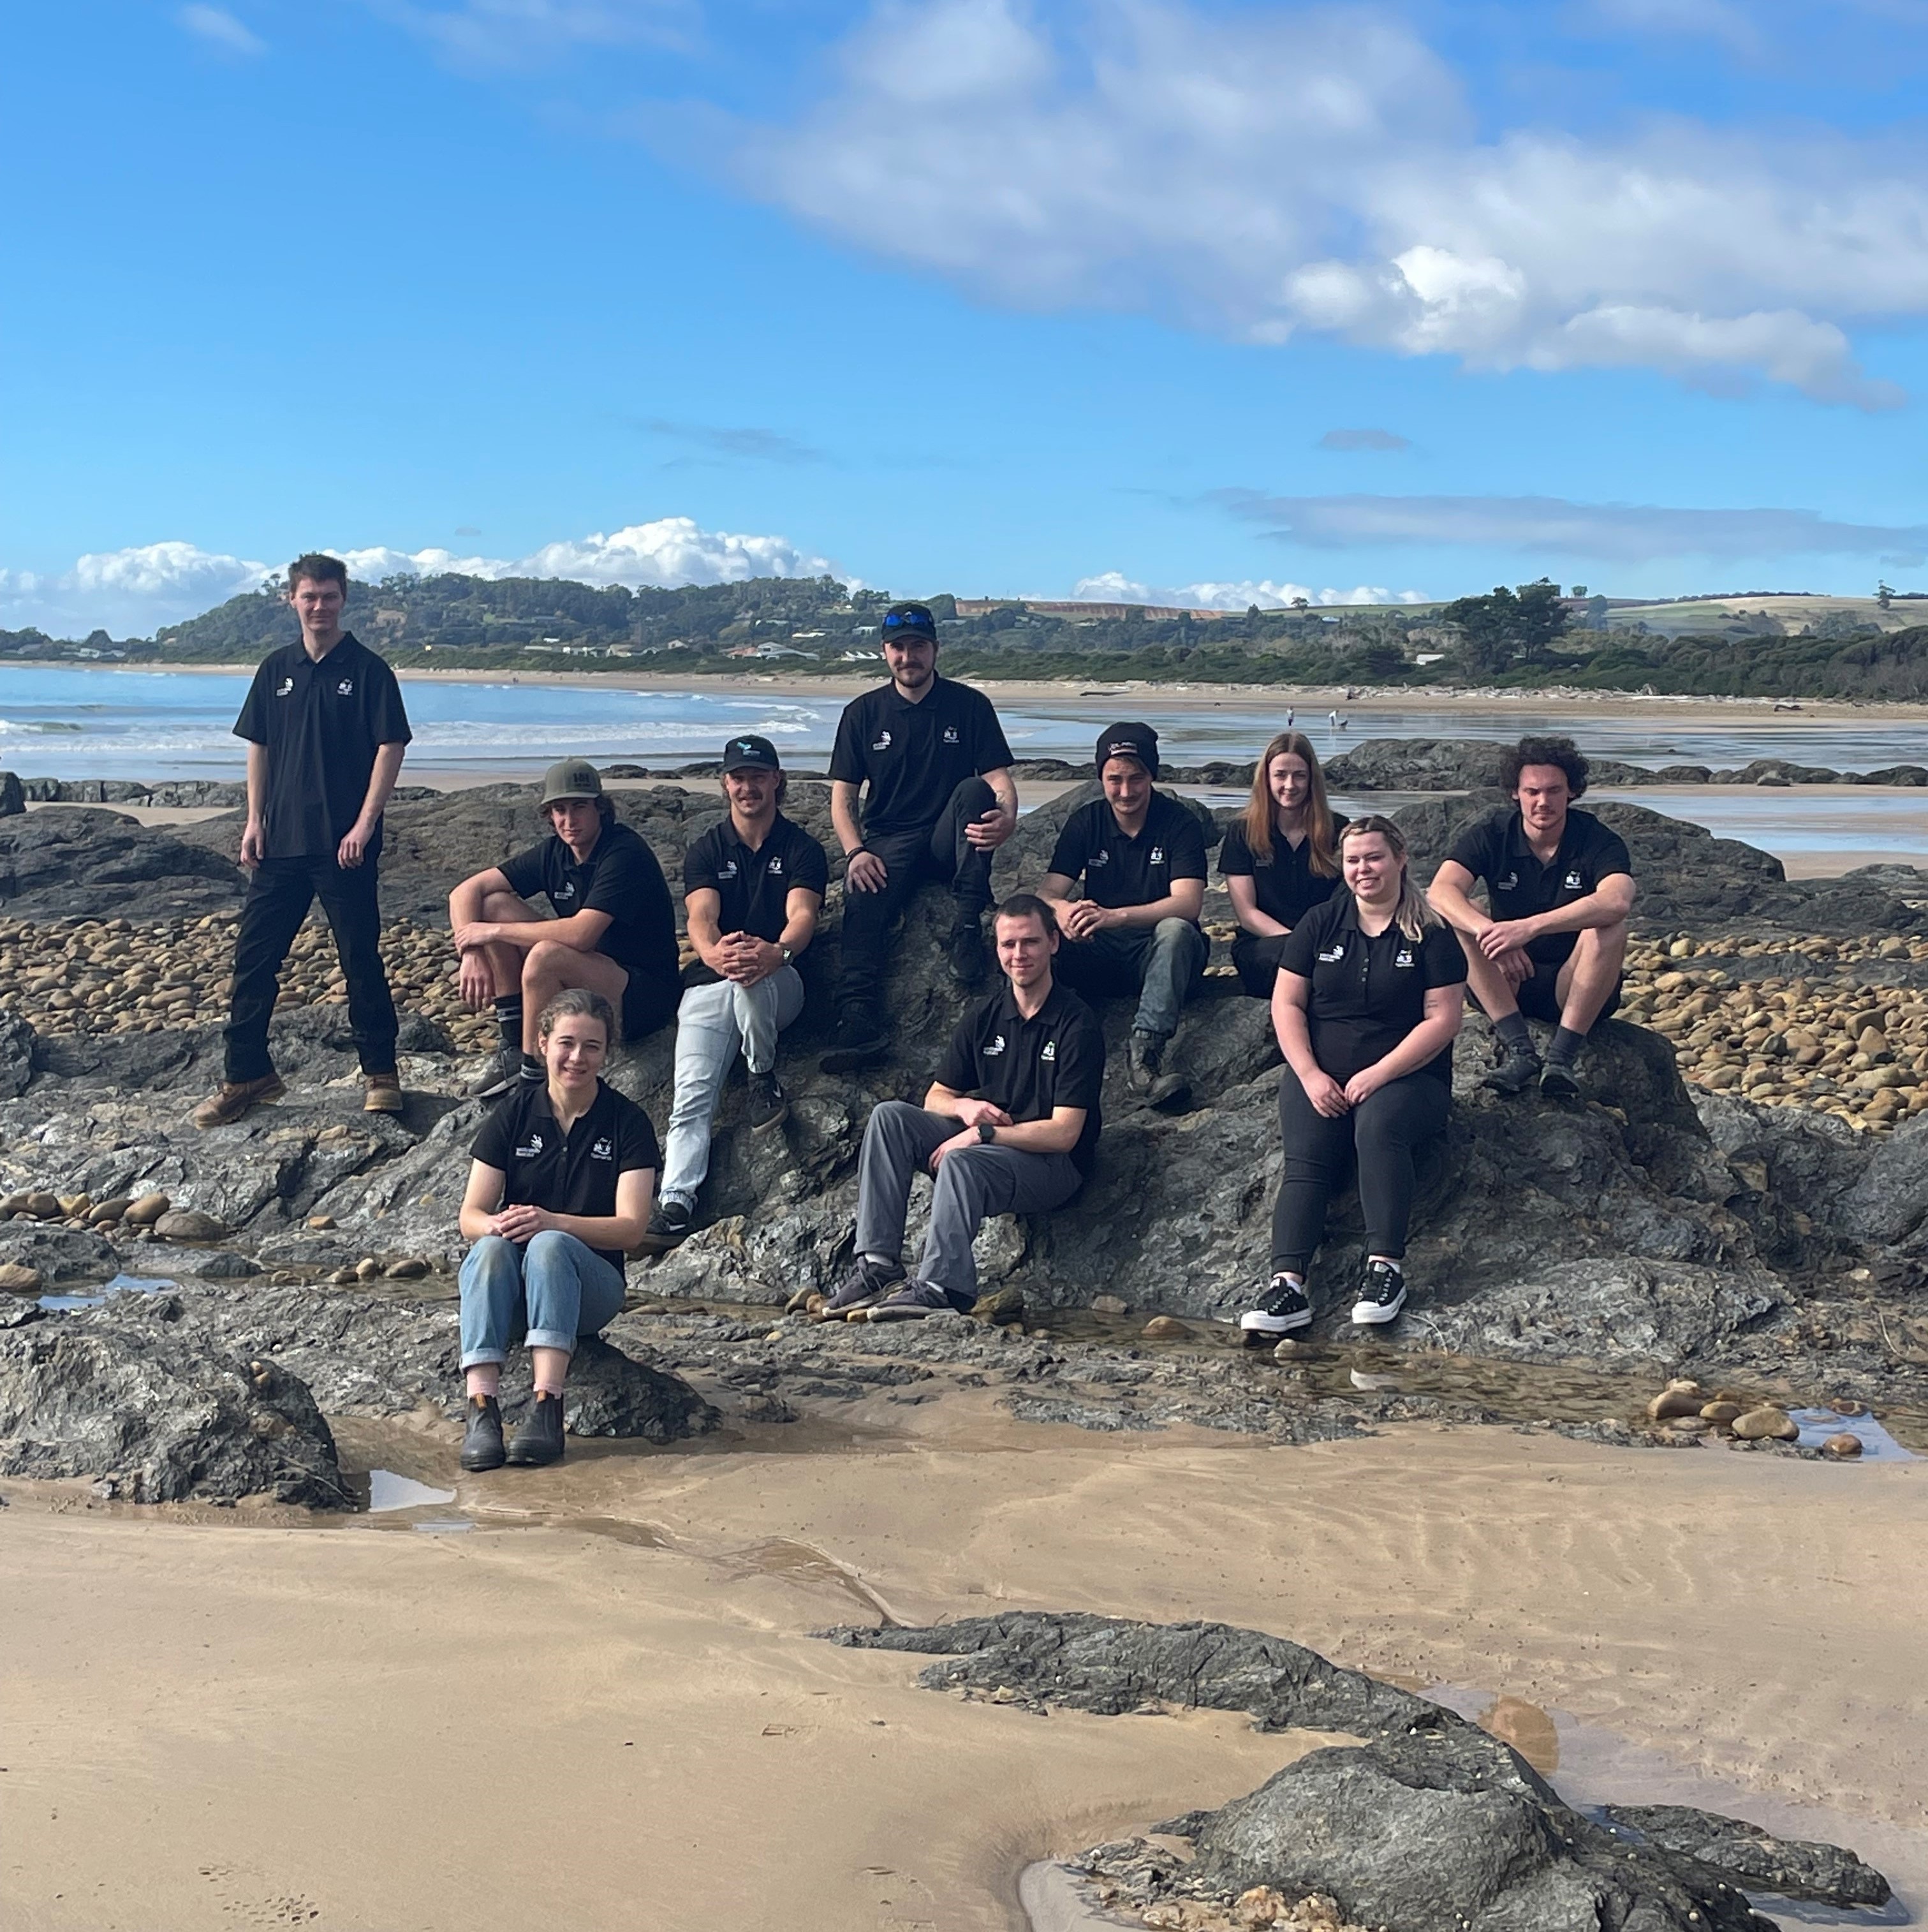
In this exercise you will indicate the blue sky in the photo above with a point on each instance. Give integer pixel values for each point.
(1216, 302)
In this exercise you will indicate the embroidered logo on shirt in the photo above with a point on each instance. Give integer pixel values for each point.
(1506, 884)
(345, 688)
(1572, 884)
(530, 1149)
(604, 1148)
(1096, 859)
(1050, 1052)
(1336, 951)
(727, 870)
(282, 689)
(883, 743)
(1404, 957)
(1157, 856)
(951, 735)
(774, 870)
(563, 891)
(996, 1047)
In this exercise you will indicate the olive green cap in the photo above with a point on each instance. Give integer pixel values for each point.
(573, 778)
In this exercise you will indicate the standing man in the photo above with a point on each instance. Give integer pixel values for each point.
(752, 885)
(1141, 855)
(941, 801)
(325, 732)
(614, 932)
(1560, 887)
(1010, 1126)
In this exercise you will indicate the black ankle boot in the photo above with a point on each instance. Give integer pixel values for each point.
(482, 1444)
(538, 1437)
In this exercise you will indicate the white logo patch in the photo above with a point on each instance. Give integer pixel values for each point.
(1157, 856)
(727, 870)
(1096, 859)
(1050, 1052)
(951, 735)
(345, 688)
(882, 741)
(996, 1047)
(775, 868)
(1404, 957)
(1572, 884)
(1506, 884)
(282, 689)
(531, 1149)
(1333, 952)
(604, 1148)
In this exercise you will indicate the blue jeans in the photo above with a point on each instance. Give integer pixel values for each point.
(1161, 963)
(561, 1287)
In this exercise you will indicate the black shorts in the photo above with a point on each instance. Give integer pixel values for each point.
(648, 1004)
(1540, 1000)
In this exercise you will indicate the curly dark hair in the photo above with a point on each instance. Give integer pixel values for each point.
(1560, 751)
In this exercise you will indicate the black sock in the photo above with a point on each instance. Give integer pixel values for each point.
(1566, 1047)
(508, 1017)
(532, 1069)
(1512, 1033)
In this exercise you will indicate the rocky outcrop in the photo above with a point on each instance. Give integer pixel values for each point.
(83, 864)
(1752, 1858)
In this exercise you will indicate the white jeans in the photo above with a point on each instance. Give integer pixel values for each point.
(712, 1024)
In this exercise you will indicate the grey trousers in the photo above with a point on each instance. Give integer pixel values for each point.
(1161, 963)
(972, 1184)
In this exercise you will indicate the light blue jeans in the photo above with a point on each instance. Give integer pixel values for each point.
(713, 1023)
(560, 1286)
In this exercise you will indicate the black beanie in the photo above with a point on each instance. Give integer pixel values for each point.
(1128, 741)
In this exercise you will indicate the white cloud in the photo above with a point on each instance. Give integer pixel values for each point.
(1113, 587)
(1552, 527)
(1264, 173)
(131, 592)
(220, 29)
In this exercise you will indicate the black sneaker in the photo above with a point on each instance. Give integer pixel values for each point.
(861, 1041)
(1280, 1309)
(770, 1104)
(865, 1286)
(964, 951)
(537, 1440)
(1558, 1082)
(1382, 1294)
(1517, 1071)
(482, 1441)
(669, 1228)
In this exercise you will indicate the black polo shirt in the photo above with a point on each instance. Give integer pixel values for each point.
(755, 884)
(1122, 871)
(915, 755)
(323, 724)
(567, 1174)
(620, 877)
(1284, 886)
(1029, 1067)
(1367, 993)
(1518, 886)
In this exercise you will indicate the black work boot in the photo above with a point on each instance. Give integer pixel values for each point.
(1170, 1092)
(964, 951)
(1517, 1070)
(482, 1441)
(538, 1437)
(861, 1041)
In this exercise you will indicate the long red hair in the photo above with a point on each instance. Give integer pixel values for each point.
(1258, 812)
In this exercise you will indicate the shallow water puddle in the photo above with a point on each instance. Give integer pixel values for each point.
(387, 1491)
(135, 1284)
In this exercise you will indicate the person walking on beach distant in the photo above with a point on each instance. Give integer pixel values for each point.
(1009, 1125)
(1369, 993)
(1134, 933)
(326, 731)
(940, 801)
(559, 1187)
(614, 932)
(1559, 888)
(1280, 856)
(752, 887)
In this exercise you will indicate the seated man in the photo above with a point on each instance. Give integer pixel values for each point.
(614, 932)
(940, 801)
(752, 885)
(1142, 857)
(1009, 1126)
(1560, 887)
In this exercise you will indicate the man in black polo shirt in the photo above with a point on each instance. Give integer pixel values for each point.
(752, 885)
(941, 801)
(1559, 888)
(1010, 1126)
(1141, 855)
(614, 932)
(325, 732)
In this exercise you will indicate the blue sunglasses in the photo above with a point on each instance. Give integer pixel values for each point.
(920, 621)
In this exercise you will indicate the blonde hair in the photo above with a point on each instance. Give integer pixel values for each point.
(1413, 915)
(1259, 810)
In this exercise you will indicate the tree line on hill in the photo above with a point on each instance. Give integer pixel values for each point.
(1521, 637)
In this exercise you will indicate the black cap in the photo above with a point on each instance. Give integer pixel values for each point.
(910, 620)
(741, 753)
(1128, 741)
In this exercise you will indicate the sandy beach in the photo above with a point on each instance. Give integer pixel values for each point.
(606, 1694)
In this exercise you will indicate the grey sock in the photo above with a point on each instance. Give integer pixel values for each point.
(1513, 1032)
(1566, 1047)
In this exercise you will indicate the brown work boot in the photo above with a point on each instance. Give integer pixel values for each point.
(385, 1094)
(237, 1097)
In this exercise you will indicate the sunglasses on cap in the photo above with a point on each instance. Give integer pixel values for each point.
(914, 622)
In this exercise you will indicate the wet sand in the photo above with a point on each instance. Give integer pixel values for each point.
(604, 1707)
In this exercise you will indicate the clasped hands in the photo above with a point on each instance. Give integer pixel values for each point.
(972, 1113)
(1504, 942)
(1328, 1098)
(522, 1223)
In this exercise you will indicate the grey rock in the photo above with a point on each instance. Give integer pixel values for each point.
(62, 864)
(61, 1254)
(1887, 1203)
(13, 798)
(147, 1401)
(1449, 764)
(190, 1225)
(1756, 1859)
(17, 1043)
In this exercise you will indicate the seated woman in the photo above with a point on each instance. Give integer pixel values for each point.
(1371, 987)
(561, 1184)
(1280, 859)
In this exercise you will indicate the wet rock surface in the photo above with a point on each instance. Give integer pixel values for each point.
(1748, 1856)
(1427, 1824)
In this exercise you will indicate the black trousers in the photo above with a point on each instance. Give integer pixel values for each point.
(1255, 959)
(276, 903)
(1380, 1136)
(942, 852)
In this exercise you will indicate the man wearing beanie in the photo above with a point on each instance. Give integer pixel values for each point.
(1141, 855)
(614, 932)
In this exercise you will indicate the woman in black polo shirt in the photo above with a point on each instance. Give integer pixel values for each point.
(1371, 987)
(1280, 856)
(561, 1184)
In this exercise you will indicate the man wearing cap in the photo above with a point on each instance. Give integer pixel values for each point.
(1141, 855)
(325, 732)
(614, 932)
(752, 885)
(941, 800)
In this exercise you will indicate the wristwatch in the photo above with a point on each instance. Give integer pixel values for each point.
(986, 1132)
(785, 951)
